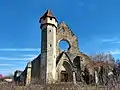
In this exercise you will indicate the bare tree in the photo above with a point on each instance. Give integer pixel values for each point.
(106, 67)
(106, 57)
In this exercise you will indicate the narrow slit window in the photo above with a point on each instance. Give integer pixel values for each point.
(63, 30)
(50, 45)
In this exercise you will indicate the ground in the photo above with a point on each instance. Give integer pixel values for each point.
(62, 86)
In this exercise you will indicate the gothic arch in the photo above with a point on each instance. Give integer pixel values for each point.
(77, 62)
(65, 72)
(60, 59)
(64, 67)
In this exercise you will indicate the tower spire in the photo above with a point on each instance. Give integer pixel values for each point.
(48, 13)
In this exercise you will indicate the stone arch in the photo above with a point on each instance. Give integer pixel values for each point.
(68, 69)
(64, 71)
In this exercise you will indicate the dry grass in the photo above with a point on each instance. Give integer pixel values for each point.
(62, 86)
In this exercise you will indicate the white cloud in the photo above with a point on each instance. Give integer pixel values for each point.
(115, 52)
(114, 40)
(10, 58)
(117, 42)
(26, 57)
(19, 49)
(6, 64)
(30, 55)
(109, 40)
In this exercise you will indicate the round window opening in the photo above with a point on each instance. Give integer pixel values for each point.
(64, 45)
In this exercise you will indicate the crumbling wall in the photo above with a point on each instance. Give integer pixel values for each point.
(65, 33)
(35, 70)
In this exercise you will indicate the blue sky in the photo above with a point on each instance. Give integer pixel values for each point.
(95, 22)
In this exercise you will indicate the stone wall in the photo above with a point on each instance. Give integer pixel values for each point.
(36, 70)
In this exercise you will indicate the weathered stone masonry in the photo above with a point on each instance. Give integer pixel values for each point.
(53, 64)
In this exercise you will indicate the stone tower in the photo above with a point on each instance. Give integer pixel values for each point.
(48, 47)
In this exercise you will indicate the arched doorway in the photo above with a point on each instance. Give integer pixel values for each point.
(66, 73)
(77, 62)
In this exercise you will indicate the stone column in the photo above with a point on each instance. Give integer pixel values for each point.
(28, 76)
(74, 77)
(96, 77)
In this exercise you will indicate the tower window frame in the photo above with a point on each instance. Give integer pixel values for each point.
(50, 18)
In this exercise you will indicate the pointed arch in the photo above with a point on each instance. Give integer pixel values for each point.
(68, 59)
(66, 75)
(64, 68)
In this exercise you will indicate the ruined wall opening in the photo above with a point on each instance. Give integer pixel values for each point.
(77, 63)
(64, 45)
(66, 74)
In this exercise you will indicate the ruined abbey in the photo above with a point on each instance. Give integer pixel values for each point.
(52, 64)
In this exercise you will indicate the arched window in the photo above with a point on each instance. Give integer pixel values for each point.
(64, 45)
(77, 62)
(66, 75)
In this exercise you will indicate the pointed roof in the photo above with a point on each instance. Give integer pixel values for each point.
(48, 13)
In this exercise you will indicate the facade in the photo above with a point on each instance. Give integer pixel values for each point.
(53, 64)
(57, 65)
